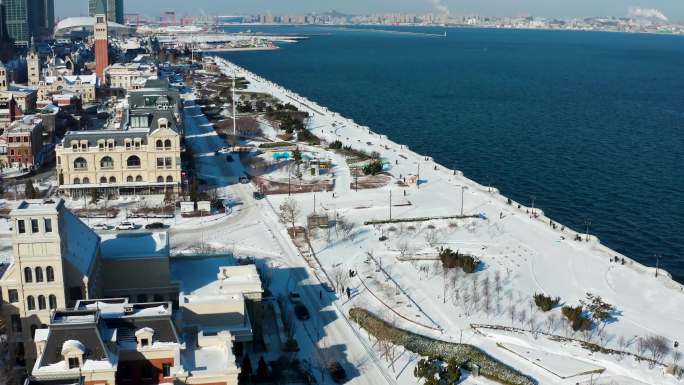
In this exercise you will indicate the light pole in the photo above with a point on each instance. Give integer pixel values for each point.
(463, 188)
(533, 198)
(657, 257)
(586, 235)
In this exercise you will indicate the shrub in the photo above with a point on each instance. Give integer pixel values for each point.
(576, 317)
(373, 167)
(451, 259)
(336, 145)
(458, 355)
(546, 303)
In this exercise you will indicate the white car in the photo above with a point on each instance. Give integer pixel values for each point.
(126, 226)
(223, 150)
(101, 226)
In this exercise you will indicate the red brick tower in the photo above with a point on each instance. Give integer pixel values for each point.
(101, 43)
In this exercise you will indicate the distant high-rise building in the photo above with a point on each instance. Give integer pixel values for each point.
(29, 18)
(114, 9)
(101, 46)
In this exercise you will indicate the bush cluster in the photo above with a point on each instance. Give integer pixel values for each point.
(336, 145)
(546, 303)
(577, 319)
(452, 259)
(434, 373)
(373, 167)
(462, 355)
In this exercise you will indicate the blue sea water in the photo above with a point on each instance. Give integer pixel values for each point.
(589, 124)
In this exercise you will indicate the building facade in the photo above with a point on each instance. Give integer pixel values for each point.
(24, 140)
(101, 46)
(130, 76)
(55, 262)
(83, 85)
(33, 67)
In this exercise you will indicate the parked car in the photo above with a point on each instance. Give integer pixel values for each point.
(101, 226)
(337, 372)
(257, 195)
(229, 158)
(126, 226)
(223, 150)
(301, 312)
(155, 226)
(295, 297)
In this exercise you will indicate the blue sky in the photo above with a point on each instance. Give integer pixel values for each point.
(673, 9)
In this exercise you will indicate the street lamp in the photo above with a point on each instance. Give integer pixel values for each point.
(587, 223)
(463, 188)
(657, 256)
(533, 198)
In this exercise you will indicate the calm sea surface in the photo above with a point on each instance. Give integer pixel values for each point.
(590, 124)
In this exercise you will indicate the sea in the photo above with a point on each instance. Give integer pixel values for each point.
(588, 125)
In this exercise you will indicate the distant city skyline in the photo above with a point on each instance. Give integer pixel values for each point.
(671, 9)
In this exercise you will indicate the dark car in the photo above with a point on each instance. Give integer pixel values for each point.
(257, 195)
(337, 372)
(155, 226)
(301, 312)
(229, 158)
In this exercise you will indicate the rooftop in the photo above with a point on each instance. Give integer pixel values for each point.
(117, 246)
(37, 207)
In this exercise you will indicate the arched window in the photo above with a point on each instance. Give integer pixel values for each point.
(107, 162)
(133, 161)
(129, 178)
(138, 178)
(52, 301)
(77, 180)
(30, 303)
(159, 144)
(28, 275)
(103, 179)
(169, 179)
(86, 180)
(80, 164)
(50, 274)
(112, 179)
(160, 179)
(41, 302)
(167, 144)
(39, 274)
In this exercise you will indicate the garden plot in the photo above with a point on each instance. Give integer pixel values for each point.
(560, 365)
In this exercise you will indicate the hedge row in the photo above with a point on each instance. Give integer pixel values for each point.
(465, 355)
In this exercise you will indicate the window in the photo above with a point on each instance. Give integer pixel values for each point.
(80, 164)
(100, 146)
(50, 274)
(107, 163)
(30, 303)
(133, 161)
(86, 180)
(39, 274)
(166, 370)
(168, 162)
(139, 178)
(103, 179)
(169, 179)
(21, 226)
(34, 226)
(47, 222)
(53, 302)
(129, 178)
(167, 144)
(160, 144)
(160, 179)
(13, 295)
(160, 162)
(144, 342)
(112, 179)
(73, 363)
(41, 302)
(128, 145)
(16, 323)
(77, 180)
(74, 146)
(28, 275)
(137, 144)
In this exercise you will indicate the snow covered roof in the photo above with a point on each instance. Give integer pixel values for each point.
(116, 246)
(72, 79)
(144, 331)
(71, 346)
(83, 22)
(82, 243)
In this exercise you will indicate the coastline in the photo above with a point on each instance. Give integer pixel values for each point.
(596, 245)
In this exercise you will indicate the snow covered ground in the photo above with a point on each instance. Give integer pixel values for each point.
(518, 246)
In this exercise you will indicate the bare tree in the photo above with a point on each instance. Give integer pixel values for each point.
(347, 227)
(551, 322)
(497, 282)
(513, 313)
(486, 295)
(641, 346)
(657, 346)
(289, 211)
(432, 236)
(340, 279)
(403, 248)
(522, 317)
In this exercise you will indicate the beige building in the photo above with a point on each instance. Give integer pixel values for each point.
(138, 154)
(83, 85)
(55, 262)
(130, 76)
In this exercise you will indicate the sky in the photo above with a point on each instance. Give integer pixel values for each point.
(672, 9)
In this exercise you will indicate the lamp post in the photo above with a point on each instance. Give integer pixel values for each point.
(463, 188)
(533, 198)
(657, 257)
(587, 223)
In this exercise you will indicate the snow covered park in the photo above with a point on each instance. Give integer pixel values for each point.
(399, 274)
